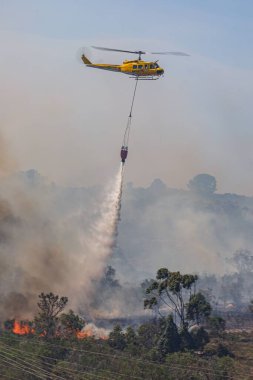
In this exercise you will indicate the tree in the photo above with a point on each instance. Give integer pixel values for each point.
(107, 288)
(117, 338)
(132, 343)
(198, 308)
(186, 339)
(149, 333)
(216, 325)
(130, 335)
(170, 339)
(200, 337)
(109, 279)
(172, 290)
(50, 306)
(203, 184)
(71, 323)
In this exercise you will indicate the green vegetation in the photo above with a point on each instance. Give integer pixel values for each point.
(177, 292)
(50, 306)
(32, 358)
(196, 347)
(198, 308)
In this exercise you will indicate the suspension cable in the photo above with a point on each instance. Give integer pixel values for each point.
(127, 130)
(130, 115)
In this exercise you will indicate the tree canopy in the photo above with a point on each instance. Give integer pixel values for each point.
(50, 306)
(203, 184)
(198, 308)
(171, 290)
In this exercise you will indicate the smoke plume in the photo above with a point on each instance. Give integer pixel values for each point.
(46, 249)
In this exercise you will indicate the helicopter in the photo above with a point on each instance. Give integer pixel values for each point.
(137, 69)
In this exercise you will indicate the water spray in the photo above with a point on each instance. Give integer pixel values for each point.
(104, 231)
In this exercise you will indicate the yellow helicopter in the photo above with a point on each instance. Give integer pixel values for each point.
(137, 68)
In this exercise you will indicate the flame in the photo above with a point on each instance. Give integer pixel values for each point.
(90, 330)
(22, 328)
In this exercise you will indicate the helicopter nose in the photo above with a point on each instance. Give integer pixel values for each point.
(160, 71)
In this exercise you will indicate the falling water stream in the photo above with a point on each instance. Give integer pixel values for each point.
(103, 232)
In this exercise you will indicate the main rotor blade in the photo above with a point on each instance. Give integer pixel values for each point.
(172, 53)
(180, 53)
(119, 50)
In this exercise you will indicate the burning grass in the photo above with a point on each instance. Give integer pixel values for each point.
(22, 328)
(88, 331)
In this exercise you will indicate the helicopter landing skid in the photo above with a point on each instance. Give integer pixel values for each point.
(144, 78)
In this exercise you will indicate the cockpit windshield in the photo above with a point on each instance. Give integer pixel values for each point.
(154, 65)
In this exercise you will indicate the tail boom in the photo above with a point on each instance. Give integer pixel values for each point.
(101, 66)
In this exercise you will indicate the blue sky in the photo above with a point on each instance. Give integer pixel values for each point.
(221, 29)
(60, 117)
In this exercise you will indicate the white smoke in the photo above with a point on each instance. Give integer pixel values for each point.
(91, 330)
(46, 250)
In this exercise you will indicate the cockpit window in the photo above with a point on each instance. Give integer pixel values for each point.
(156, 65)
